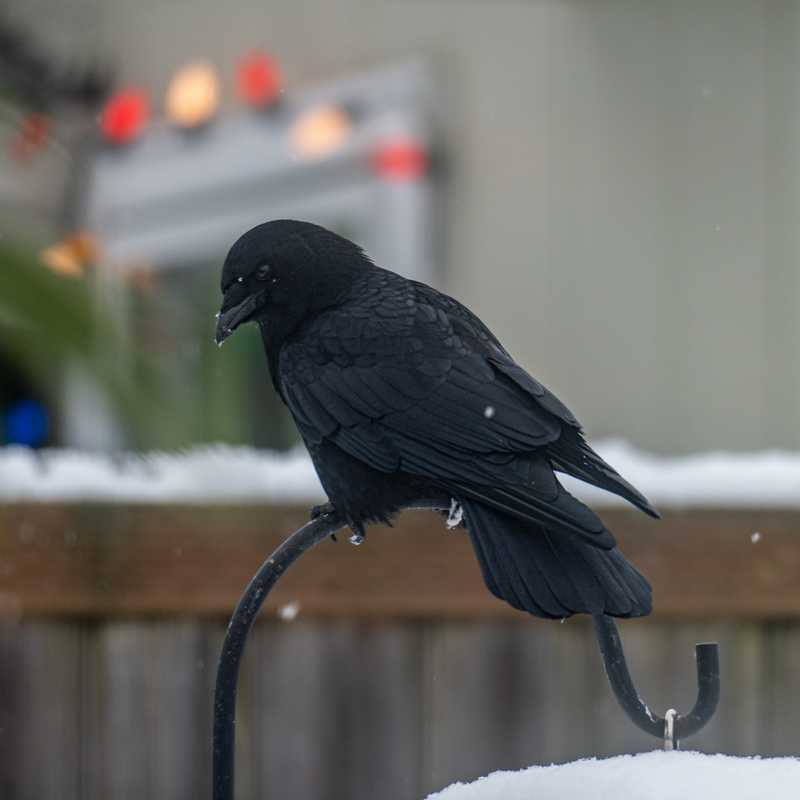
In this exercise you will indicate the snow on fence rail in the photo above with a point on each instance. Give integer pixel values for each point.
(221, 474)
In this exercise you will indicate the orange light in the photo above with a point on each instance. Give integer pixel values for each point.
(193, 95)
(125, 116)
(320, 132)
(60, 258)
(71, 256)
(259, 80)
(84, 246)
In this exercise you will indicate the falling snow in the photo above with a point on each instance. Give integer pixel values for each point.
(289, 611)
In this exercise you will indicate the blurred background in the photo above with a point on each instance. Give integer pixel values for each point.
(613, 186)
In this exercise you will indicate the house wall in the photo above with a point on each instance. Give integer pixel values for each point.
(621, 183)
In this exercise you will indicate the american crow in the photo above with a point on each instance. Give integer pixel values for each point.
(400, 392)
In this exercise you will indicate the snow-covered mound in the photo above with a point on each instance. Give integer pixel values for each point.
(237, 474)
(649, 776)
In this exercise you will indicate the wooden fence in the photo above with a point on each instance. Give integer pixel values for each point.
(399, 674)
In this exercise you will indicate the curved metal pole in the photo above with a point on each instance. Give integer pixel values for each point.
(326, 524)
(680, 726)
(302, 540)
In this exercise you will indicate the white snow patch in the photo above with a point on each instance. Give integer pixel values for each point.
(649, 776)
(221, 474)
(200, 475)
(769, 478)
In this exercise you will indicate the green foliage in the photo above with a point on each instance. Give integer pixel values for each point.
(48, 321)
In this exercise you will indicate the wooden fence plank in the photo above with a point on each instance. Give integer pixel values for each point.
(9, 702)
(121, 684)
(104, 560)
(40, 702)
(347, 698)
(489, 689)
(782, 690)
(737, 727)
(178, 710)
(145, 679)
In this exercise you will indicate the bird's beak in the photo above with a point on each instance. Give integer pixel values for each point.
(232, 315)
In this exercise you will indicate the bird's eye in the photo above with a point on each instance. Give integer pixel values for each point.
(240, 280)
(263, 272)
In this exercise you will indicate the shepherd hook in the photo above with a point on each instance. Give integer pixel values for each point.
(311, 534)
(676, 726)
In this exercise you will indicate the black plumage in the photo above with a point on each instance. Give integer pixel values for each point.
(401, 392)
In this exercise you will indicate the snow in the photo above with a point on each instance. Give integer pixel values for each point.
(769, 478)
(200, 475)
(289, 611)
(649, 776)
(221, 474)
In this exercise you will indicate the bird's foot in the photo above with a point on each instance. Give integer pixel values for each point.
(319, 511)
(455, 516)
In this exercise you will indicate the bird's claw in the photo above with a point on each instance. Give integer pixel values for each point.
(318, 511)
(358, 534)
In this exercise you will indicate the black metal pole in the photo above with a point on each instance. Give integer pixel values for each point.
(242, 620)
(271, 570)
(620, 679)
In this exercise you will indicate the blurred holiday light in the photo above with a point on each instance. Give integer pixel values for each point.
(125, 116)
(71, 256)
(401, 160)
(193, 95)
(26, 423)
(259, 80)
(320, 132)
(60, 258)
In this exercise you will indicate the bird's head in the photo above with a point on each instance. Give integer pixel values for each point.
(280, 272)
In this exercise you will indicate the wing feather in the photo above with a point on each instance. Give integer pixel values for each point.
(430, 392)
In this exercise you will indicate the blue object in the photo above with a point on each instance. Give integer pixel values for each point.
(26, 423)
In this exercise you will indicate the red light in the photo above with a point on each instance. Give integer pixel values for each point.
(404, 160)
(125, 116)
(259, 80)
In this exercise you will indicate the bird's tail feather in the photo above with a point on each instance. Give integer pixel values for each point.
(552, 575)
(572, 455)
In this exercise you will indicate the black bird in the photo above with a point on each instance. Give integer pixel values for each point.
(400, 392)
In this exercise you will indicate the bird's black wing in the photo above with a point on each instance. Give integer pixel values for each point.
(407, 380)
(569, 453)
